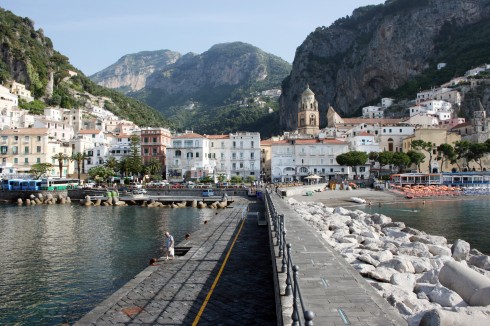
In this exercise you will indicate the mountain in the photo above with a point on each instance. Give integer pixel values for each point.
(129, 73)
(382, 48)
(197, 85)
(28, 57)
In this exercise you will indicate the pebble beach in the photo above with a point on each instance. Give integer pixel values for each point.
(429, 280)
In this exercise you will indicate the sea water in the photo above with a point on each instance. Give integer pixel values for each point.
(57, 262)
(466, 218)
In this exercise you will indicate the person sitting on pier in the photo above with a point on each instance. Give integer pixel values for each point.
(187, 236)
(153, 262)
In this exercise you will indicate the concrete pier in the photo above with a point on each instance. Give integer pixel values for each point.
(229, 273)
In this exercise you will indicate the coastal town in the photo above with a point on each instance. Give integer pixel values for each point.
(74, 140)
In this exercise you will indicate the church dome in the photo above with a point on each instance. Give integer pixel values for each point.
(308, 91)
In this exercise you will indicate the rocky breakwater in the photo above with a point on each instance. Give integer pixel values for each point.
(429, 281)
(48, 199)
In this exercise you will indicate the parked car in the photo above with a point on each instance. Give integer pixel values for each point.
(207, 193)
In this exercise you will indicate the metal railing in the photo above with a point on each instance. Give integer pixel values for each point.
(287, 265)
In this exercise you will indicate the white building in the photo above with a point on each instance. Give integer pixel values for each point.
(295, 159)
(188, 157)
(364, 142)
(371, 112)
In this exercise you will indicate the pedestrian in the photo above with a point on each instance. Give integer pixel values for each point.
(169, 245)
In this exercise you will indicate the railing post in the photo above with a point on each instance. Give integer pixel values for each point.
(309, 315)
(283, 266)
(295, 315)
(289, 289)
(280, 239)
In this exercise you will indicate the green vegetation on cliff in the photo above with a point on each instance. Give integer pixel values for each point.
(28, 57)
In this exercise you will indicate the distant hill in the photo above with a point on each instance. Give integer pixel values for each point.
(188, 87)
(28, 57)
(390, 49)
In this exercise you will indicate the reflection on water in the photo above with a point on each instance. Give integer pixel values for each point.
(467, 219)
(58, 261)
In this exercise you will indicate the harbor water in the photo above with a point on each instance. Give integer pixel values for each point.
(466, 218)
(59, 261)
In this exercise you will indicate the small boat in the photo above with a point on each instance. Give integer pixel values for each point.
(357, 200)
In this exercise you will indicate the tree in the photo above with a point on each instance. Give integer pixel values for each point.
(401, 160)
(112, 163)
(426, 146)
(221, 178)
(385, 158)
(250, 179)
(236, 179)
(40, 169)
(206, 179)
(154, 167)
(60, 157)
(80, 159)
(461, 148)
(445, 152)
(416, 158)
(476, 152)
(134, 161)
(101, 172)
(352, 159)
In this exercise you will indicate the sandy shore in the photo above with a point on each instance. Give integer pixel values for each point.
(336, 198)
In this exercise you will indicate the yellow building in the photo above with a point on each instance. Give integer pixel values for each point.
(436, 136)
(21, 148)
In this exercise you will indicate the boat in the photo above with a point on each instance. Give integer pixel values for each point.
(357, 200)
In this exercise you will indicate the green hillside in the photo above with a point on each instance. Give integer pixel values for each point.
(28, 57)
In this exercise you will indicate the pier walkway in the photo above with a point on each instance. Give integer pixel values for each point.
(227, 275)
(225, 278)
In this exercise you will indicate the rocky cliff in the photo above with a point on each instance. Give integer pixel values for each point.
(129, 73)
(379, 47)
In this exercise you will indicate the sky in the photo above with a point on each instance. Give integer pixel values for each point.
(94, 34)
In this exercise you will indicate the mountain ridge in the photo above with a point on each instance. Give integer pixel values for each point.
(378, 48)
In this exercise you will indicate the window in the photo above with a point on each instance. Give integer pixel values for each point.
(38, 138)
(187, 143)
(222, 144)
(16, 160)
(233, 156)
(155, 152)
(145, 140)
(241, 165)
(234, 144)
(233, 166)
(16, 138)
(252, 144)
(178, 153)
(145, 151)
(4, 149)
(38, 149)
(190, 155)
(222, 156)
(26, 138)
(241, 156)
(252, 155)
(154, 139)
(15, 150)
(26, 160)
(38, 160)
(197, 154)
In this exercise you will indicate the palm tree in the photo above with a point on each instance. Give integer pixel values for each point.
(112, 163)
(60, 157)
(80, 159)
(154, 166)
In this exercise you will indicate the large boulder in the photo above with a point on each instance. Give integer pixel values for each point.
(445, 297)
(460, 250)
(399, 264)
(481, 261)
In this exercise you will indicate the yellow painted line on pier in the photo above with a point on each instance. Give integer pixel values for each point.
(208, 296)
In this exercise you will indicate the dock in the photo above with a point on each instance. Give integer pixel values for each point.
(231, 273)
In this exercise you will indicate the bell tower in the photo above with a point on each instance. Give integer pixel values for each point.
(308, 115)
